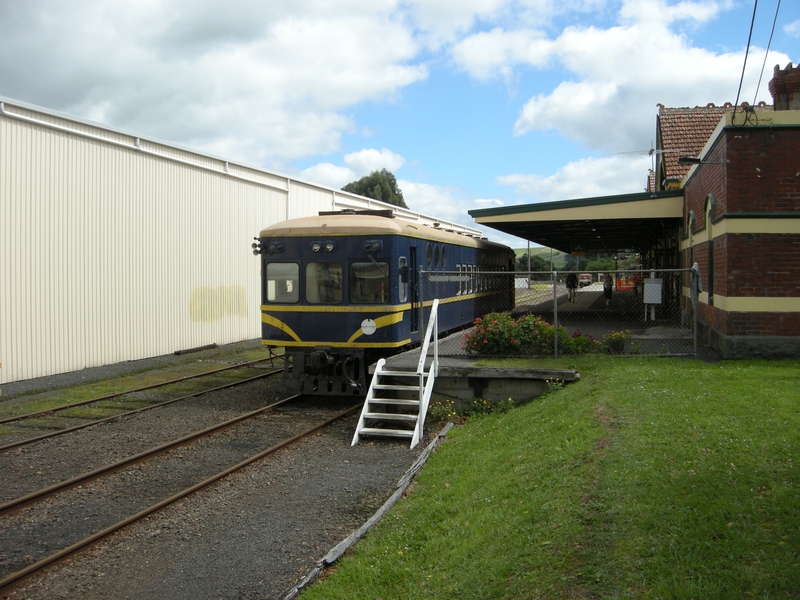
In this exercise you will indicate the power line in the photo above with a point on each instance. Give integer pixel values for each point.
(775, 20)
(746, 52)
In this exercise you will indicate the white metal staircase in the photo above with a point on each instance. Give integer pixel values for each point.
(397, 401)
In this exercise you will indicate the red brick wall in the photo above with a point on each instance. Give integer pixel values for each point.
(763, 265)
(762, 170)
(761, 324)
(750, 323)
(759, 175)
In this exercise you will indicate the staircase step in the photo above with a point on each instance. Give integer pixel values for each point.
(397, 401)
(392, 417)
(395, 386)
(402, 374)
(401, 433)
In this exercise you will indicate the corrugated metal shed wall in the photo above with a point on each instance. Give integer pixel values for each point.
(117, 248)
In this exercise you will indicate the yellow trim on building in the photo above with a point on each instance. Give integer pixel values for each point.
(744, 226)
(750, 303)
(658, 208)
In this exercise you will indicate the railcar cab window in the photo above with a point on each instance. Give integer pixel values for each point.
(324, 283)
(369, 282)
(283, 282)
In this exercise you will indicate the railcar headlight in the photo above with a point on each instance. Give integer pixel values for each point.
(373, 246)
(272, 247)
(316, 246)
(330, 246)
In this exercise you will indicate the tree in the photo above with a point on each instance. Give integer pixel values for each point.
(378, 185)
(537, 264)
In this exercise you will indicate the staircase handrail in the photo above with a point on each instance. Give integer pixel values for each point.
(431, 331)
(426, 387)
(370, 394)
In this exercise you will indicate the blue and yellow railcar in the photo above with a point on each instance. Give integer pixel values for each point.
(340, 290)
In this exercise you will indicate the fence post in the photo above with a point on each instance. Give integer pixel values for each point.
(555, 315)
(696, 288)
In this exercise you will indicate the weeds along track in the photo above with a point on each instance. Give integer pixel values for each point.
(49, 524)
(65, 416)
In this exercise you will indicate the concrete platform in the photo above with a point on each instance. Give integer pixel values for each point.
(461, 380)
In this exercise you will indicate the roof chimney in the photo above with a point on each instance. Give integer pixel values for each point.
(785, 88)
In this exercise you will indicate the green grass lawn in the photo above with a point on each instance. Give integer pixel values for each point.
(649, 478)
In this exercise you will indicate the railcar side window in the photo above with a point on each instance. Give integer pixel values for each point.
(444, 256)
(429, 256)
(460, 284)
(402, 278)
(324, 283)
(436, 256)
(283, 282)
(369, 282)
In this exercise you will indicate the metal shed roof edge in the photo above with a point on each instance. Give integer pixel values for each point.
(575, 203)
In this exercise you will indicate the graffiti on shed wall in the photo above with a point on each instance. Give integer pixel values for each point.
(213, 304)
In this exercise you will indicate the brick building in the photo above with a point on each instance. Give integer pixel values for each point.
(732, 204)
(741, 224)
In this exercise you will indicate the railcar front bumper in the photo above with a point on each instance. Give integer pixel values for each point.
(326, 371)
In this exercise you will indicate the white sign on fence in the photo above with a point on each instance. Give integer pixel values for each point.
(652, 291)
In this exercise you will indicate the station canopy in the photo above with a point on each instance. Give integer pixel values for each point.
(596, 225)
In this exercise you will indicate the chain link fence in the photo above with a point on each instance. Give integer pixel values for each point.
(619, 313)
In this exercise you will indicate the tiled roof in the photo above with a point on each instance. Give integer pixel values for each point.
(684, 132)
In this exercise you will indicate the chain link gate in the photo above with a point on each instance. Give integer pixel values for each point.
(618, 313)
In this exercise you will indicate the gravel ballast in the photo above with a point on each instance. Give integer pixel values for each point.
(255, 534)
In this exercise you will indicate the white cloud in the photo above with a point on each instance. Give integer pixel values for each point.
(358, 164)
(329, 175)
(698, 11)
(586, 178)
(793, 28)
(615, 76)
(489, 53)
(368, 160)
(256, 82)
(436, 200)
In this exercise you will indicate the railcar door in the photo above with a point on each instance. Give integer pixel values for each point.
(413, 288)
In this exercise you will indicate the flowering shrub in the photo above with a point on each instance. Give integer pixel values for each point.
(614, 343)
(583, 344)
(443, 411)
(446, 411)
(500, 335)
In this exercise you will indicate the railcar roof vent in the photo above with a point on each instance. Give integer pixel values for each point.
(387, 213)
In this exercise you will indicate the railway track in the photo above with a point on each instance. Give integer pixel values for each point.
(57, 419)
(85, 509)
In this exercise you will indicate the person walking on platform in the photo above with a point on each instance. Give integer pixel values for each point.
(572, 286)
(608, 288)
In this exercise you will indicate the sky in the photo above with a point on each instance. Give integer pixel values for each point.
(470, 103)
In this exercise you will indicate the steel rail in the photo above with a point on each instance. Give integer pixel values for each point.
(45, 436)
(7, 584)
(22, 501)
(117, 394)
